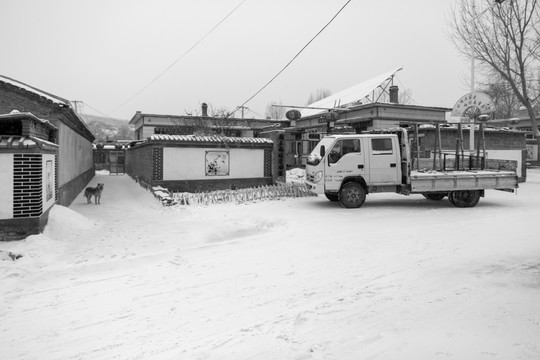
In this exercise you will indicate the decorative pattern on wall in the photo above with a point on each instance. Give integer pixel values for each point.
(217, 163)
(267, 162)
(281, 156)
(27, 185)
(56, 178)
(157, 173)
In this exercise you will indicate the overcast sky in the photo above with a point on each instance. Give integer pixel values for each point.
(103, 52)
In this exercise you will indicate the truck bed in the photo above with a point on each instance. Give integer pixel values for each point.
(441, 181)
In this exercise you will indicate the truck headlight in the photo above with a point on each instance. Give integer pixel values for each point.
(317, 176)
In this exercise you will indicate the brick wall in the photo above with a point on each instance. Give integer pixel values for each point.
(195, 186)
(276, 155)
(31, 184)
(12, 98)
(27, 185)
(509, 141)
(18, 229)
(33, 128)
(495, 140)
(139, 163)
(69, 191)
(144, 163)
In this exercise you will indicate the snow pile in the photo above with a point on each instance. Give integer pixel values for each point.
(63, 228)
(63, 220)
(296, 176)
(303, 278)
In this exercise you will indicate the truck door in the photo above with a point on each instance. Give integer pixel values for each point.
(384, 162)
(346, 158)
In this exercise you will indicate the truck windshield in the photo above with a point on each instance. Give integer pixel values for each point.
(315, 157)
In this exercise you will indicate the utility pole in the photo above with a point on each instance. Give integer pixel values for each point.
(77, 106)
(473, 45)
(243, 108)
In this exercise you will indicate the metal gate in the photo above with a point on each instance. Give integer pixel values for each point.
(117, 162)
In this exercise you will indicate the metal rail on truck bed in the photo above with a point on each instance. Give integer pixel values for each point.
(439, 181)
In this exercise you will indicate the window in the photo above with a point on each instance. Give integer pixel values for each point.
(351, 145)
(312, 145)
(343, 147)
(381, 146)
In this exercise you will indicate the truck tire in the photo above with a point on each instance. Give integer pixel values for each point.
(352, 195)
(451, 199)
(332, 197)
(464, 198)
(434, 196)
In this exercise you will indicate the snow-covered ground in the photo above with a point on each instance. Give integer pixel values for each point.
(399, 278)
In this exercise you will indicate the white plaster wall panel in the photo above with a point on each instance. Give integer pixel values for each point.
(6, 184)
(190, 163)
(507, 155)
(49, 190)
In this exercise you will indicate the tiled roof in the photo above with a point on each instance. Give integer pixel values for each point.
(71, 119)
(213, 139)
(46, 95)
(25, 115)
(24, 142)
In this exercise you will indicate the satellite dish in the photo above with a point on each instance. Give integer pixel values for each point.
(293, 114)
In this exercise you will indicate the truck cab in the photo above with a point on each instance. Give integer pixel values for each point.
(344, 166)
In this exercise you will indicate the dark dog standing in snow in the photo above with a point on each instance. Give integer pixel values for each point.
(94, 191)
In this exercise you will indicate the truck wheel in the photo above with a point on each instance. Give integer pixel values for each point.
(464, 198)
(352, 195)
(332, 197)
(434, 196)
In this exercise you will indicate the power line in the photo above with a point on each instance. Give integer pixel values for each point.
(96, 110)
(294, 58)
(403, 87)
(180, 58)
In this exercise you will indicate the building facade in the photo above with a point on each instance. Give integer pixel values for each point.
(146, 125)
(523, 123)
(74, 140)
(304, 133)
(28, 174)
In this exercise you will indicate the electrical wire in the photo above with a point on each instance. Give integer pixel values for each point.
(180, 58)
(294, 58)
(96, 110)
(403, 87)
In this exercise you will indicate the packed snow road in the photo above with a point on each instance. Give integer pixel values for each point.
(400, 278)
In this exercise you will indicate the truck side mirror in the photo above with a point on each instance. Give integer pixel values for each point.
(323, 151)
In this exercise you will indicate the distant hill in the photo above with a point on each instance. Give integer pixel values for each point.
(106, 128)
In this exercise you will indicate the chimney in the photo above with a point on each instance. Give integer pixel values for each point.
(204, 107)
(394, 94)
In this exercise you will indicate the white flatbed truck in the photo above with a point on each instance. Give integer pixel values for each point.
(346, 168)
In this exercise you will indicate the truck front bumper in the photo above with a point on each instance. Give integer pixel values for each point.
(316, 188)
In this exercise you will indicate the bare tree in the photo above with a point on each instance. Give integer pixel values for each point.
(319, 94)
(275, 112)
(218, 122)
(505, 39)
(506, 102)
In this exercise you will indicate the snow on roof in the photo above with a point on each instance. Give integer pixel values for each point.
(349, 95)
(15, 114)
(21, 141)
(214, 138)
(55, 99)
